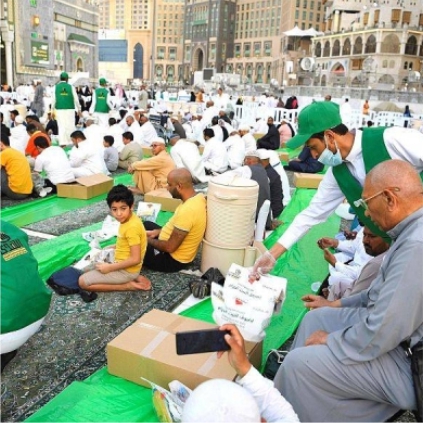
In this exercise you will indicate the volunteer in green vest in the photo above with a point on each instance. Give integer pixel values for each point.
(65, 103)
(350, 155)
(25, 299)
(102, 103)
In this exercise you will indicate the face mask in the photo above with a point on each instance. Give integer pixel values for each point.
(330, 159)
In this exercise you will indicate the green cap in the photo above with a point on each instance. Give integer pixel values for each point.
(102, 81)
(317, 117)
(64, 75)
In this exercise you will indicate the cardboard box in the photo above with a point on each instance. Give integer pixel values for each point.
(147, 152)
(163, 197)
(307, 180)
(148, 212)
(284, 156)
(86, 187)
(148, 349)
(258, 136)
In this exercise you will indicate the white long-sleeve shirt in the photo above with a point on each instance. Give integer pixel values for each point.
(215, 157)
(147, 133)
(236, 151)
(250, 142)
(401, 143)
(88, 157)
(272, 405)
(185, 154)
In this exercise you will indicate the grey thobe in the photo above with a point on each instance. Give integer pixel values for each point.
(362, 374)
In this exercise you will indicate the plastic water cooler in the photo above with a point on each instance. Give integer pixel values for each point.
(231, 212)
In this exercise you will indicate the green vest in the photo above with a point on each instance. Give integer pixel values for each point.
(64, 96)
(101, 105)
(24, 296)
(374, 152)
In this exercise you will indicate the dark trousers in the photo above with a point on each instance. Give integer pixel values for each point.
(158, 260)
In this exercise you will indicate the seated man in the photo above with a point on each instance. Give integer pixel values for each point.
(25, 300)
(150, 174)
(53, 161)
(235, 146)
(185, 154)
(250, 142)
(356, 265)
(131, 152)
(250, 398)
(305, 163)
(175, 246)
(31, 150)
(215, 157)
(275, 183)
(16, 181)
(85, 157)
(271, 140)
(124, 273)
(346, 362)
(147, 132)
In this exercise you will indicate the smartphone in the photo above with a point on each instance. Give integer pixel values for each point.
(201, 341)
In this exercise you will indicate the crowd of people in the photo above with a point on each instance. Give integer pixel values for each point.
(347, 362)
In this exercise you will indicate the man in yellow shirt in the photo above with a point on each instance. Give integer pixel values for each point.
(150, 174)
(16, 181)
(175, 246)
(124, 273)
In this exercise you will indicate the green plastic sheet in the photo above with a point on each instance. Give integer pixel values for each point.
(51, 206)
(103, 397)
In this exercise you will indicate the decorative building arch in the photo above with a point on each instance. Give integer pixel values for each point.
(138, 67)
(338, 69)
(259, 73)
(411, 46)
(79, 65)
(318, 49)
(421, 50)
(170, 72)
(159, 72)
(326, 49)
(323, 81)
(269, 73)
(198, 59)
(358, 46)
(346, 49)
(249, 73)
(336, 49)
(386, 79)
(356, 82)
(390, 44)
(370, 45)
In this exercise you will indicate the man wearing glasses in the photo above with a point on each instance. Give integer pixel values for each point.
(347, 362)
(349, 155)
(151, 174)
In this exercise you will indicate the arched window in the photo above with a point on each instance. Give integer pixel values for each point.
(358, 46)
(79, 65)
(159, 71)
(138, 68)
(249, 73)
(405, 65)
(269, 73)
(371, 44)
(336, 49)
(421, 50)
(346, 49)
(411, 46)
(326, 50)
(390, 44)
(318, 50)
(170, 73)
(259, 72)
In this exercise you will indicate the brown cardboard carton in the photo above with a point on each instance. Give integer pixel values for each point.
(258, 136)
(86, 187)
(284, 156)
(163, 197)
(307, 180)
(147, 152)
(148, 349)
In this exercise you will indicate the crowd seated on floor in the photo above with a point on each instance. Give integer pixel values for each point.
(363, 294)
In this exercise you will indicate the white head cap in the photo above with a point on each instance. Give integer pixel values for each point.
(263, 154)
(19, 119)
(252, 153)
(158, 140)
(220, 400)
(244, 128)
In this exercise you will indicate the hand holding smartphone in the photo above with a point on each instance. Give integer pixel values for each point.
(201, 341)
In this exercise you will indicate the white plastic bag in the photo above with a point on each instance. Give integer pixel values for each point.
(109, 229)
(248, 306)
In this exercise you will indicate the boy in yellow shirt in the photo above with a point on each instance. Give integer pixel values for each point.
(124, 273)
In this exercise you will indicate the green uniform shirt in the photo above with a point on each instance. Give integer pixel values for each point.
(24, 296)
(64, 96)
(101, 105)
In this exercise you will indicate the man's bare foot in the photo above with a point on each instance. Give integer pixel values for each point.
(135, 190)
(141, 283)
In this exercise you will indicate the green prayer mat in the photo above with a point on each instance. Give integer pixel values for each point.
(103, 397)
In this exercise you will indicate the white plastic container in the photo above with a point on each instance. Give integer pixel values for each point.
(231, 211)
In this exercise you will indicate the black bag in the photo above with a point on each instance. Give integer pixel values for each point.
(65, 282)
(416, 363)
(201, 287)
(273, 362)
